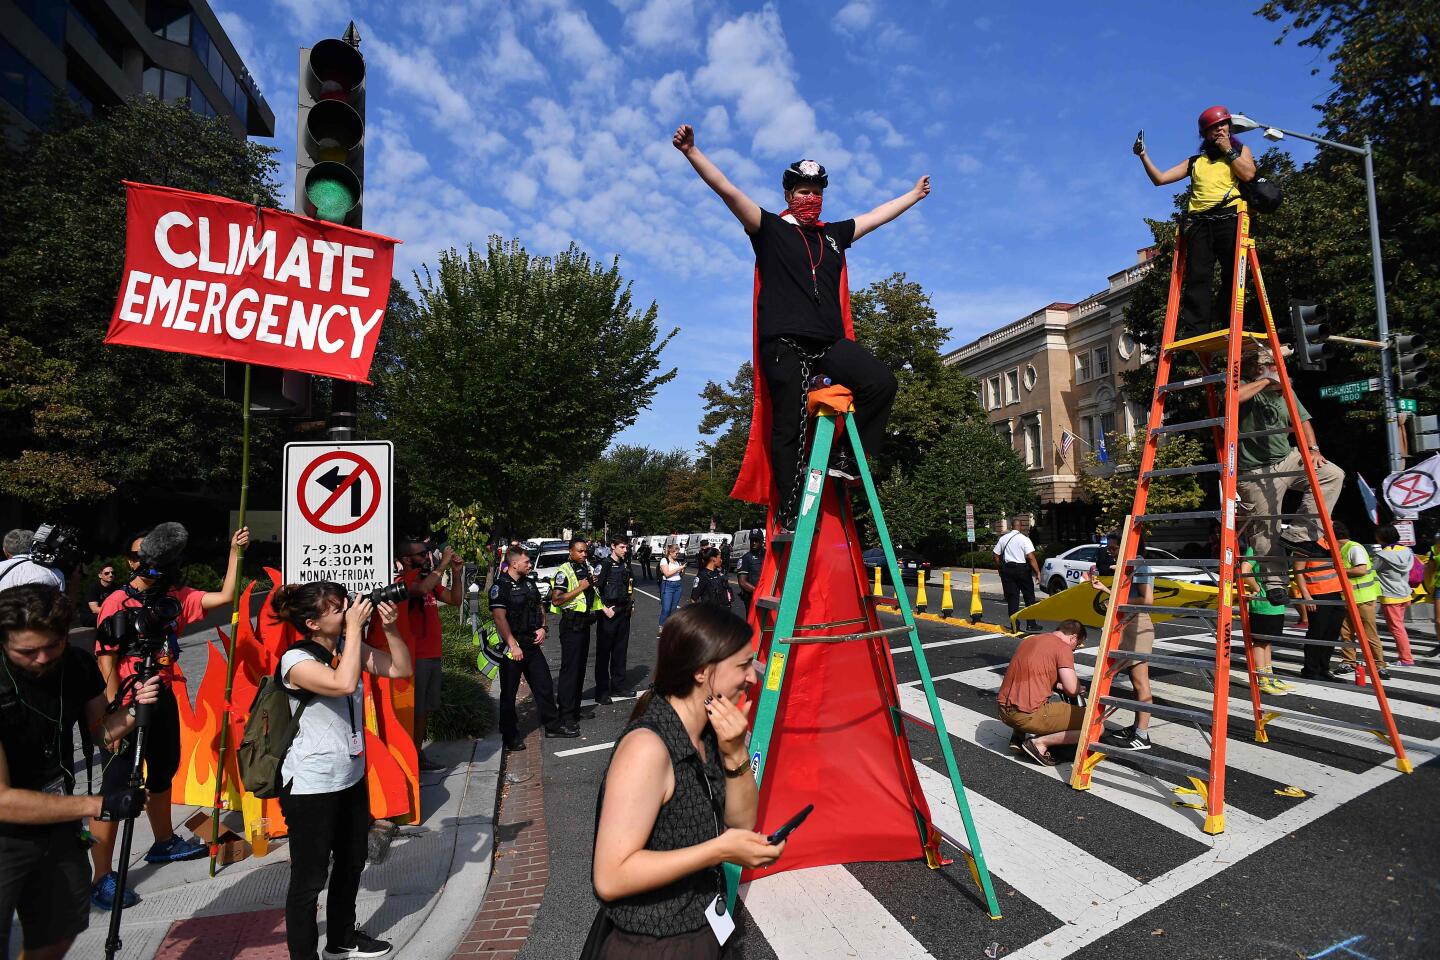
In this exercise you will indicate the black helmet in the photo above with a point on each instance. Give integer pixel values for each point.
(805, 171)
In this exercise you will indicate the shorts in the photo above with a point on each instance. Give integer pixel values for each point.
(1053, 716)
(45, 879)
(162, 750)
(1138, 634)
(427, 685)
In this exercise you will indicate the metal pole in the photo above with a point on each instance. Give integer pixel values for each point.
(1382, 319)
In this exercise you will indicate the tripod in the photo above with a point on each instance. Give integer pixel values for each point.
(149, 667)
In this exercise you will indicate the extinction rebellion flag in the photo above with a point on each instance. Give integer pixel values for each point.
(219, 278)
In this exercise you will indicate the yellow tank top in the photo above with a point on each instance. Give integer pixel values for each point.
(1210, 180)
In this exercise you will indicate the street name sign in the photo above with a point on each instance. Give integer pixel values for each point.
(1350, 392)
(1407, 404)
(337, 524)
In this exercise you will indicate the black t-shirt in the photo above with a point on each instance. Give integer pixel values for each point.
(788, 305)
(521, 602)
(96, 594)
(38, 717)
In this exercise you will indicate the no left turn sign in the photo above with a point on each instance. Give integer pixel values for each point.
(337, 523)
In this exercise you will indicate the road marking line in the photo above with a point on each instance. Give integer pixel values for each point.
(822, 913)
(590, 749)
(940, 643)
(1048, 869)
(647, 593)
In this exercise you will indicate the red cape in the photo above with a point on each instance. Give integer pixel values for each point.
(756, 482)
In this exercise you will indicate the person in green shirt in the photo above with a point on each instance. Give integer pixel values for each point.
(1269, 468)
(1266, 620)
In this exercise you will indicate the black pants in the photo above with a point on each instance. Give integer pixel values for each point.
(1206, 240)
(162, 750)
(322, 826)
(1324, 625)
(612, 645)
(1016, 579)
(574, 651)
(846, 363)
(537, 673)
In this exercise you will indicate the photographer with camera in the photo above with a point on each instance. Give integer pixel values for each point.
(153, 602)
(323, 793)
(420, 625)
(46, 686)
(31, 555)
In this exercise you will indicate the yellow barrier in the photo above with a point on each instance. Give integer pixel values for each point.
(947, 601)
(921, 601)
(879, 590)
(977, 612)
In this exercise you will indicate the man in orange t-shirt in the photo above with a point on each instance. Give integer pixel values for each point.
(1043, 663)
(420, 626)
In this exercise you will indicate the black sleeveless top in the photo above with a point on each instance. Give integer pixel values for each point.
(694, 814)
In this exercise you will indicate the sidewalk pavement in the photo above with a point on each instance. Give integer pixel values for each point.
(421, 898)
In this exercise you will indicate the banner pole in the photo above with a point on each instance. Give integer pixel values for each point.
(234, 626)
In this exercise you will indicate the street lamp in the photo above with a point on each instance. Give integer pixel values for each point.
(1241, 123)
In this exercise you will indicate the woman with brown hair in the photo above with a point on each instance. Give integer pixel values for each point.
(678, 799)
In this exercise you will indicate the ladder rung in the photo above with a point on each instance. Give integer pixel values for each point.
(1149, 760)
(1192, 382)
(1182, 471)
(1272, 476)
(1289, 641)
(768, 603)
(1139, 564)
(1170, 611)
(1174, 517)
(1183, 714)
(1334, 684)
(1178, 661)
(782, 538)
(883, 601)
(952, 841)
(1269, 432)
(1189, 425)
(1342, 724)
(847, 637)
(1283, 560)
(916, 718)
(1281, 516)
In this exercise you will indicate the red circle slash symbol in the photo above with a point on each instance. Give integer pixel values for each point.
(339, 485)
(1413, 488)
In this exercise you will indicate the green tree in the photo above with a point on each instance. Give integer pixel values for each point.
(512, 375)
(1111, 487)
(80, 421)
(925, 508)
(895, 321)
(728, 410)
(627, 489)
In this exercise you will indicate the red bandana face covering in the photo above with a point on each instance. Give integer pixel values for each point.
(805, 207)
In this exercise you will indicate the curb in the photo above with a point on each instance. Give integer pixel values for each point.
(502, 922)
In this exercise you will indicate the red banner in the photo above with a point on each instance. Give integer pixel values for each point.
(220, 278)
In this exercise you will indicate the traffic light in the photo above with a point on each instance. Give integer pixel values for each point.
(273, 392)
(1410, 361)
(1311, 332)
(330, 134)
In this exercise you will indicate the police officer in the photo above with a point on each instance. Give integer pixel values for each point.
(750, 565)
(574, 597)
(612, 628)
(515, 605)
(711, 584)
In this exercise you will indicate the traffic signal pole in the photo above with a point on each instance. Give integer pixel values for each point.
(1382, 318)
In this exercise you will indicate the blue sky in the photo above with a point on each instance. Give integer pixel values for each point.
(549, 120)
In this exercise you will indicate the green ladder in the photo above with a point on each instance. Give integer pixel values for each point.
(786, 606)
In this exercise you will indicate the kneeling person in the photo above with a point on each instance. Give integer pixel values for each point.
(1043, 664)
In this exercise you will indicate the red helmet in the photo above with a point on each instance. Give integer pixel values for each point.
(1213, 116)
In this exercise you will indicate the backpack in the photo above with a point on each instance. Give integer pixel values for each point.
(270, 729)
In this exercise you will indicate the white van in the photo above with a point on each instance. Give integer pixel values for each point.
(740, 544)
(692, 543)
(677, 540)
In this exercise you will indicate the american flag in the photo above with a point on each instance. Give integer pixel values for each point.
(1067, 440)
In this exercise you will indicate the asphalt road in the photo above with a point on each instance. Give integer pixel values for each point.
(1121, 871)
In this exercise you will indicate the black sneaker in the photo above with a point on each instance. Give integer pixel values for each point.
(360, 946)
(605, 700)
(566, 732)
(1126, 738)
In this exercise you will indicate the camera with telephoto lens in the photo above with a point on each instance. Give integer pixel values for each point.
(144, 630)
(52, 542)
(390, 593)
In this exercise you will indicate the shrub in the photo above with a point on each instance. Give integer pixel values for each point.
(467, 711)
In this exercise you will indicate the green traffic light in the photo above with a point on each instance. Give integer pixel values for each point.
(332, 191)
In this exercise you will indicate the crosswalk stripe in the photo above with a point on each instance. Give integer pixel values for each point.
(941, 643)
(824, 913)
(1046, 868)
(1117, 784)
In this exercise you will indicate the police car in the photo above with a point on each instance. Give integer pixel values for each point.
(1064, 570)
(547, 559)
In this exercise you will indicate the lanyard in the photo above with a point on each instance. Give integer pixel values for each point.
(814, 264)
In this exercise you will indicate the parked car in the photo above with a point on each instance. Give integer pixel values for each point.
(1064, 570)
(547, 559)
(910, 561)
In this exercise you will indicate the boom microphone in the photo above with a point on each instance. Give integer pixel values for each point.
(162, 548)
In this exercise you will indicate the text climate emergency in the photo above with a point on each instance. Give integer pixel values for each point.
(214, 277)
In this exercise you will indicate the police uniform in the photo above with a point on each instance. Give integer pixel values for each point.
(612, 634)
(575, 619)
(520, 599)
(711, 586)
(750, 565)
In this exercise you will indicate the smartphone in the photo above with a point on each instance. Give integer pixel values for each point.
(789, 825)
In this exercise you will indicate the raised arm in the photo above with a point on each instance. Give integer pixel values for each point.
(891, 209)
(747, 211)
(1157, 176)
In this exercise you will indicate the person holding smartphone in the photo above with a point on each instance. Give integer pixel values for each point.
(678, 798)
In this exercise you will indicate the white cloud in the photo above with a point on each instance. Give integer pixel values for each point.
(964, 163)
(889, 136)
(717, 123)
(854, 16)
(417, 72)
(749, 63)
(311, 15)
(655, 24)
(563, 172)
(508, 61)
(575, 39)
(670, 94)
(521, 189)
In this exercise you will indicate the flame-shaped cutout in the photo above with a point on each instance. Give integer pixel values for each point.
(392, 764)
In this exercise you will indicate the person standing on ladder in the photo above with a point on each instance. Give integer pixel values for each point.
(802, 321)
(1138, 635)
(1270, 468)
(1209, 224)
(1019, 572)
